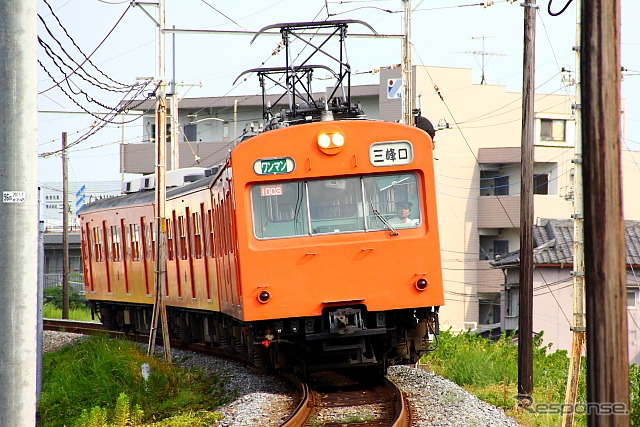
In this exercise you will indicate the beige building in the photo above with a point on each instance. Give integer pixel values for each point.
(477, 168)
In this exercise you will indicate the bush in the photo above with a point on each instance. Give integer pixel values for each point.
(634, 393)
(53, 295)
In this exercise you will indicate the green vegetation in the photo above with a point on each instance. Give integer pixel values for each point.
(489, 370)
(99, 382)
(52, 308)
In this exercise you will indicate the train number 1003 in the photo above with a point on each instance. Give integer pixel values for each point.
(271, 190)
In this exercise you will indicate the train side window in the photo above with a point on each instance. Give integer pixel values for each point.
(116, 254)
(386, 194)
(134, 233)
(97, 245)
(279, 210)
(197, 235)
(170, 247)
(180, 235)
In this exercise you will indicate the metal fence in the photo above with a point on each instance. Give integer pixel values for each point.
(76, 282)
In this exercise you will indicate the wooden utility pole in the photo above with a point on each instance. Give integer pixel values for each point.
(407, 68)
(525, 320)
(159, 308)
(607, 352)
(579, 325)
(65, 228)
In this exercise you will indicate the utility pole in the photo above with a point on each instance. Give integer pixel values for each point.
(19, 213)
(175, 148)
(525, 320)
(159, 308)
(175, 123)
(578, 328)
(607, 351)
(65, 228)
(407, 70)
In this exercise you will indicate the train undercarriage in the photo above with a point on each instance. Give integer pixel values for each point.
(344, 337)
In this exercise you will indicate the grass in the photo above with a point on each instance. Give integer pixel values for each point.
(99, 382)
(489, 370)
(50, 311)
(52, 308)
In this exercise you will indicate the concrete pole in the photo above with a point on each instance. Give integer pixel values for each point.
(407, 68)
(65, 228)
(175, 124)
(18, 210)
(579, 319)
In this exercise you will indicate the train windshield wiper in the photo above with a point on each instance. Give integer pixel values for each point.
(383, 219)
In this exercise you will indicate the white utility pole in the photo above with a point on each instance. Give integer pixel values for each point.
(407, 71)
(19, 213)
(175, 147)
(579, 322)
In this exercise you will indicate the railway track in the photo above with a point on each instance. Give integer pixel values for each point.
(76, 327)
(327, 398)
(333, 399)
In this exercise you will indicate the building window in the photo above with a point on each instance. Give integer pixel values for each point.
(513, 303)
(552, 130)
(492, 183)
(500, 247)
(541, 184)
(631, 299)
(190, 132)
(167, 131)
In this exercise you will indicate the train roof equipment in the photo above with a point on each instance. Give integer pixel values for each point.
(297, 78)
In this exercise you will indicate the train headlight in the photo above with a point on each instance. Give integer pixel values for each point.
(331, 140)
(324, 141)
(421, 284)
(337, 139)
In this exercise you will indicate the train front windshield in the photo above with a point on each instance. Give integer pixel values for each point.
(343, 205)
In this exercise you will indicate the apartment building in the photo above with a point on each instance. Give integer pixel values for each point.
(477, 167)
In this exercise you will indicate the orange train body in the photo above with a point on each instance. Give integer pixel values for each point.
(289, 252)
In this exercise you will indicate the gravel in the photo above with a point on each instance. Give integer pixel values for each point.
(438, 402)
(262, 400)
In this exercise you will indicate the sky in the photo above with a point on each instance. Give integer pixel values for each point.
(120, 41)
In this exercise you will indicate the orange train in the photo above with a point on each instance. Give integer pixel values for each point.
(314, 246)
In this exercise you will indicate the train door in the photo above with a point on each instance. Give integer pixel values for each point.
(126, 255)
(105, 253)
(87, 259)
(144, 253)
(206, 250)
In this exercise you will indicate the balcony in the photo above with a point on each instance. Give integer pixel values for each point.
(504, 211)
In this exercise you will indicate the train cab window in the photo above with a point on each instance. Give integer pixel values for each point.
(280, 210)
(392, 200)
(335, 205)
(343, 205)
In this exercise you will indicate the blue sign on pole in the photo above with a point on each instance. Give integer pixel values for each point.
(80, 198)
